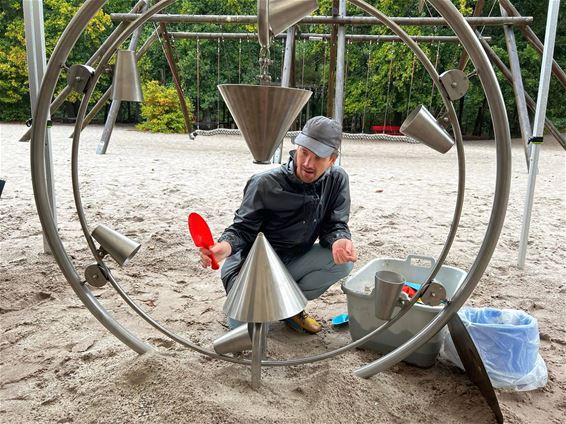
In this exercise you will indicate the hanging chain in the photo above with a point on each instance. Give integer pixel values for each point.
(264, 62)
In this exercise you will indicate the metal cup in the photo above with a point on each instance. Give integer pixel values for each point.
(236, 340)
(388, 285)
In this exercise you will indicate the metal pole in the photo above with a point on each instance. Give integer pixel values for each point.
(332, 63)
(325, 20)
(35, 49)
(286, 79)
(538, 127)
(496, 60)
(115, 105)
(310, 36)
(518, 88)
(258, 352)
(340, 68)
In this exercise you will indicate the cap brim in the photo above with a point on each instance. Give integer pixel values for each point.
(315, 146)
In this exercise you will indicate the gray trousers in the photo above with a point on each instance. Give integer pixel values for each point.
(314, 273)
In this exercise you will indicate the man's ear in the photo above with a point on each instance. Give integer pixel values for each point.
(333, 159)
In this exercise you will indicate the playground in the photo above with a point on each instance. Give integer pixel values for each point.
(143, 134)
(60, 365)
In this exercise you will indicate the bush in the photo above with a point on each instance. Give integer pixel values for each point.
(161, 109)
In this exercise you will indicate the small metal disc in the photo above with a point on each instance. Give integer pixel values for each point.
(95, 276)
(434, 295)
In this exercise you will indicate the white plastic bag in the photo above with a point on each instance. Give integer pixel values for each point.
(507, 341)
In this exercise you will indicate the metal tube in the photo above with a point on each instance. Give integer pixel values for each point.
(258, 348)
(286, 78)
(518, 88)
(340, 67)
(538, 126)
(326, 20)
(311, 36)
(68, 39)
(503, 155)
(35, 51)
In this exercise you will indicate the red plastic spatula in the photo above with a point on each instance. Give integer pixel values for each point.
(200, 232)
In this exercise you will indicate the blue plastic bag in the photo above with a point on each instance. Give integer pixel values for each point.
(508, 342)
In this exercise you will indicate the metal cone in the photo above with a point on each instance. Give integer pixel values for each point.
(285, 13)
(422, 126)
(263, 114)
(264, 290)
(126, 83)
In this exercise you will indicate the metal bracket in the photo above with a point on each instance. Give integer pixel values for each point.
(79, 76)
(455, 83)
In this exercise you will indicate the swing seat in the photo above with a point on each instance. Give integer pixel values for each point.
(385, 129)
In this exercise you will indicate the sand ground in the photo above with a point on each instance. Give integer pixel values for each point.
(58, 364)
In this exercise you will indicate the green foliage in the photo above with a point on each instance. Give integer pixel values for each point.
(383, 80)
(161, 110)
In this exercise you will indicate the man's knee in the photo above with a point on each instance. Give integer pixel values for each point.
(343, 270)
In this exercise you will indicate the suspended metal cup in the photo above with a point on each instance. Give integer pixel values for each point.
(263, 114)
(264, 290)
(286, 13)
(388, 285)
(422, 126)
(236, 340)
(120, 247)
(126, 84)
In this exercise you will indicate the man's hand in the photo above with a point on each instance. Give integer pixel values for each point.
(343, 251)
(220, 251)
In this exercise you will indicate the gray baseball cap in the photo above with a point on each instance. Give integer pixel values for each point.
(321, 135)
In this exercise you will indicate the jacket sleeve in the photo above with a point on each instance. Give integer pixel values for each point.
(247, 220)
(335, 223)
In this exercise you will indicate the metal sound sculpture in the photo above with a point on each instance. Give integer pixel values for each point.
(281, 13)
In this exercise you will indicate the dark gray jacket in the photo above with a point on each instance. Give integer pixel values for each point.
(291, 214)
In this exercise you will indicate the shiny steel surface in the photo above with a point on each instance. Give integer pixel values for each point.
(422, 126)
(264, 290)
(434, 295)
(263, 23)
(263, 114)
(285, 13)
(493, 95)
(126, 83)
(455, 82)
(388, 285)
(235, 340)
(120, 247)
(78, 77)
(95, 276)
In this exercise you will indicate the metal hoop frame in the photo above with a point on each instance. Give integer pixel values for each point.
(502, 138)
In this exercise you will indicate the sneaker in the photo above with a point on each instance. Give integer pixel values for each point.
(304, 322)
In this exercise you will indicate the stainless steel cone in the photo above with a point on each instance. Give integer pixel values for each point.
(388, 286)
(126, 80)
(422, 126)
(264, 290)
(235, 340)
(285, 13)
(120, 247)
(263, 114)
